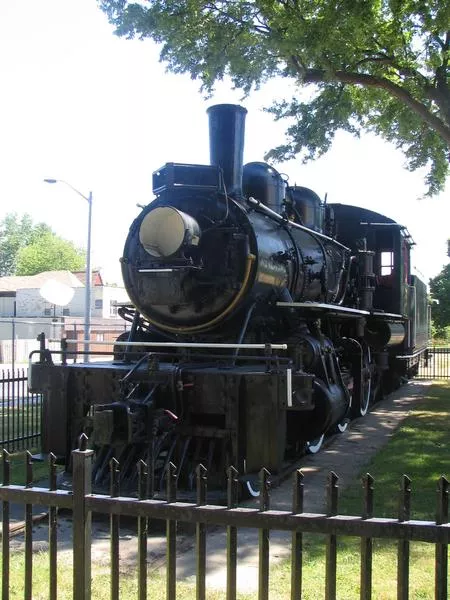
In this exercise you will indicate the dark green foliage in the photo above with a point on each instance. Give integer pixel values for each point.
(377, 65)
(27, 248)
(440, 291)
(16, 233)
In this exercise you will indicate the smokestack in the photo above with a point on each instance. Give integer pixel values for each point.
(226, 143)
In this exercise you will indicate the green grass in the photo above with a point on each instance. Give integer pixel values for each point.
(419, 448)
(156, 583)
(18, 461)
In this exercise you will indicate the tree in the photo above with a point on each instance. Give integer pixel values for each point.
(375, 65)
(49, 252)
(16, 233)
(440, 291)
(27, 248)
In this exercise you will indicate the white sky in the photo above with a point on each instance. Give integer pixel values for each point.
(100, 112)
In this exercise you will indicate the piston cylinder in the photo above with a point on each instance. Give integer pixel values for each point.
(382, 334)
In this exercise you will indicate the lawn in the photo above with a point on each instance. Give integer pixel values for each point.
(18, 468)
(419, 449)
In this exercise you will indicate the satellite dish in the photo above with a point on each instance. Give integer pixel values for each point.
(56, 293)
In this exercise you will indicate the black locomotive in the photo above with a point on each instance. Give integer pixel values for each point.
(261, 319)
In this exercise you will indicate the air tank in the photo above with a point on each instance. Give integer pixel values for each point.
(264, 183)
(308, 206)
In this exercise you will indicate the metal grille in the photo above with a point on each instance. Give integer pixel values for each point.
(20, 417)
(83, 504)
(435, 363)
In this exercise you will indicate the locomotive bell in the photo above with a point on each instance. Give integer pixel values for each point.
(165, 231)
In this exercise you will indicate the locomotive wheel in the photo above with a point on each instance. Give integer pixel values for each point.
(249, 488)
(342, 425)
(252, 488)
(361, 410)
(360, 407)
(314, 446)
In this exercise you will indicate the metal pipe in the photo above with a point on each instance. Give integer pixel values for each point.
(185, 345)
(278, 217)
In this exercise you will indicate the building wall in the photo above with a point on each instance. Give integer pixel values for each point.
(7, 306)
(29, 303)
(112, 295)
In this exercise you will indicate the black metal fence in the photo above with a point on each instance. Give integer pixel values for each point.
(435, 363)
(83, 504)
(20, 415)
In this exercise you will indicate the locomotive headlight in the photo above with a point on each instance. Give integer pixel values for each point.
(166, 231)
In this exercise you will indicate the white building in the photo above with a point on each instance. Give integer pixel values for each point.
(20, 296)
(25, 312)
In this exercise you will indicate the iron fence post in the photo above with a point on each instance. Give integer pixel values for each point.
(82, 519)
(171, 535)
(366, 542)
(441, 552)
(297, 537)
(264, 538)
(403, 545)
(331, 548)
(232, 501)
(202, 482)
(5, 528)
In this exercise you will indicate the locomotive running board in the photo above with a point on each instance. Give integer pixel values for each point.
(340, 311)
(389, 316)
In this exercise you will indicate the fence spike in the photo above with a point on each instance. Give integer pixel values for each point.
(332, 494)
(171, 482)
(142, 469)
(28, 469)
(298, 491)
(52, 471)
(6, 467)
(83, 442)
(232, 487)
(442, 501)
(202, 482)
(404, 512)
(114, 470)
(264, 486)
(368, 490)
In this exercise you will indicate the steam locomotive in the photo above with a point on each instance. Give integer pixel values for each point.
(262, 319)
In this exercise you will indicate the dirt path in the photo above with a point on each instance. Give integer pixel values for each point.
(346, 454)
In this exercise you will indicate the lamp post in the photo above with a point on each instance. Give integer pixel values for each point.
(88, 276)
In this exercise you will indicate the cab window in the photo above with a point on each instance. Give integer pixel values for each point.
(387, 263)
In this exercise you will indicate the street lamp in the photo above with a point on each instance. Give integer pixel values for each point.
(87, 297)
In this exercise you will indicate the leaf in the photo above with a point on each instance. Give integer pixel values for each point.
(379, 65)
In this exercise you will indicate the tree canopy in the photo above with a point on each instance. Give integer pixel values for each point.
(440, 291)
(27, 248)
(374, 65)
